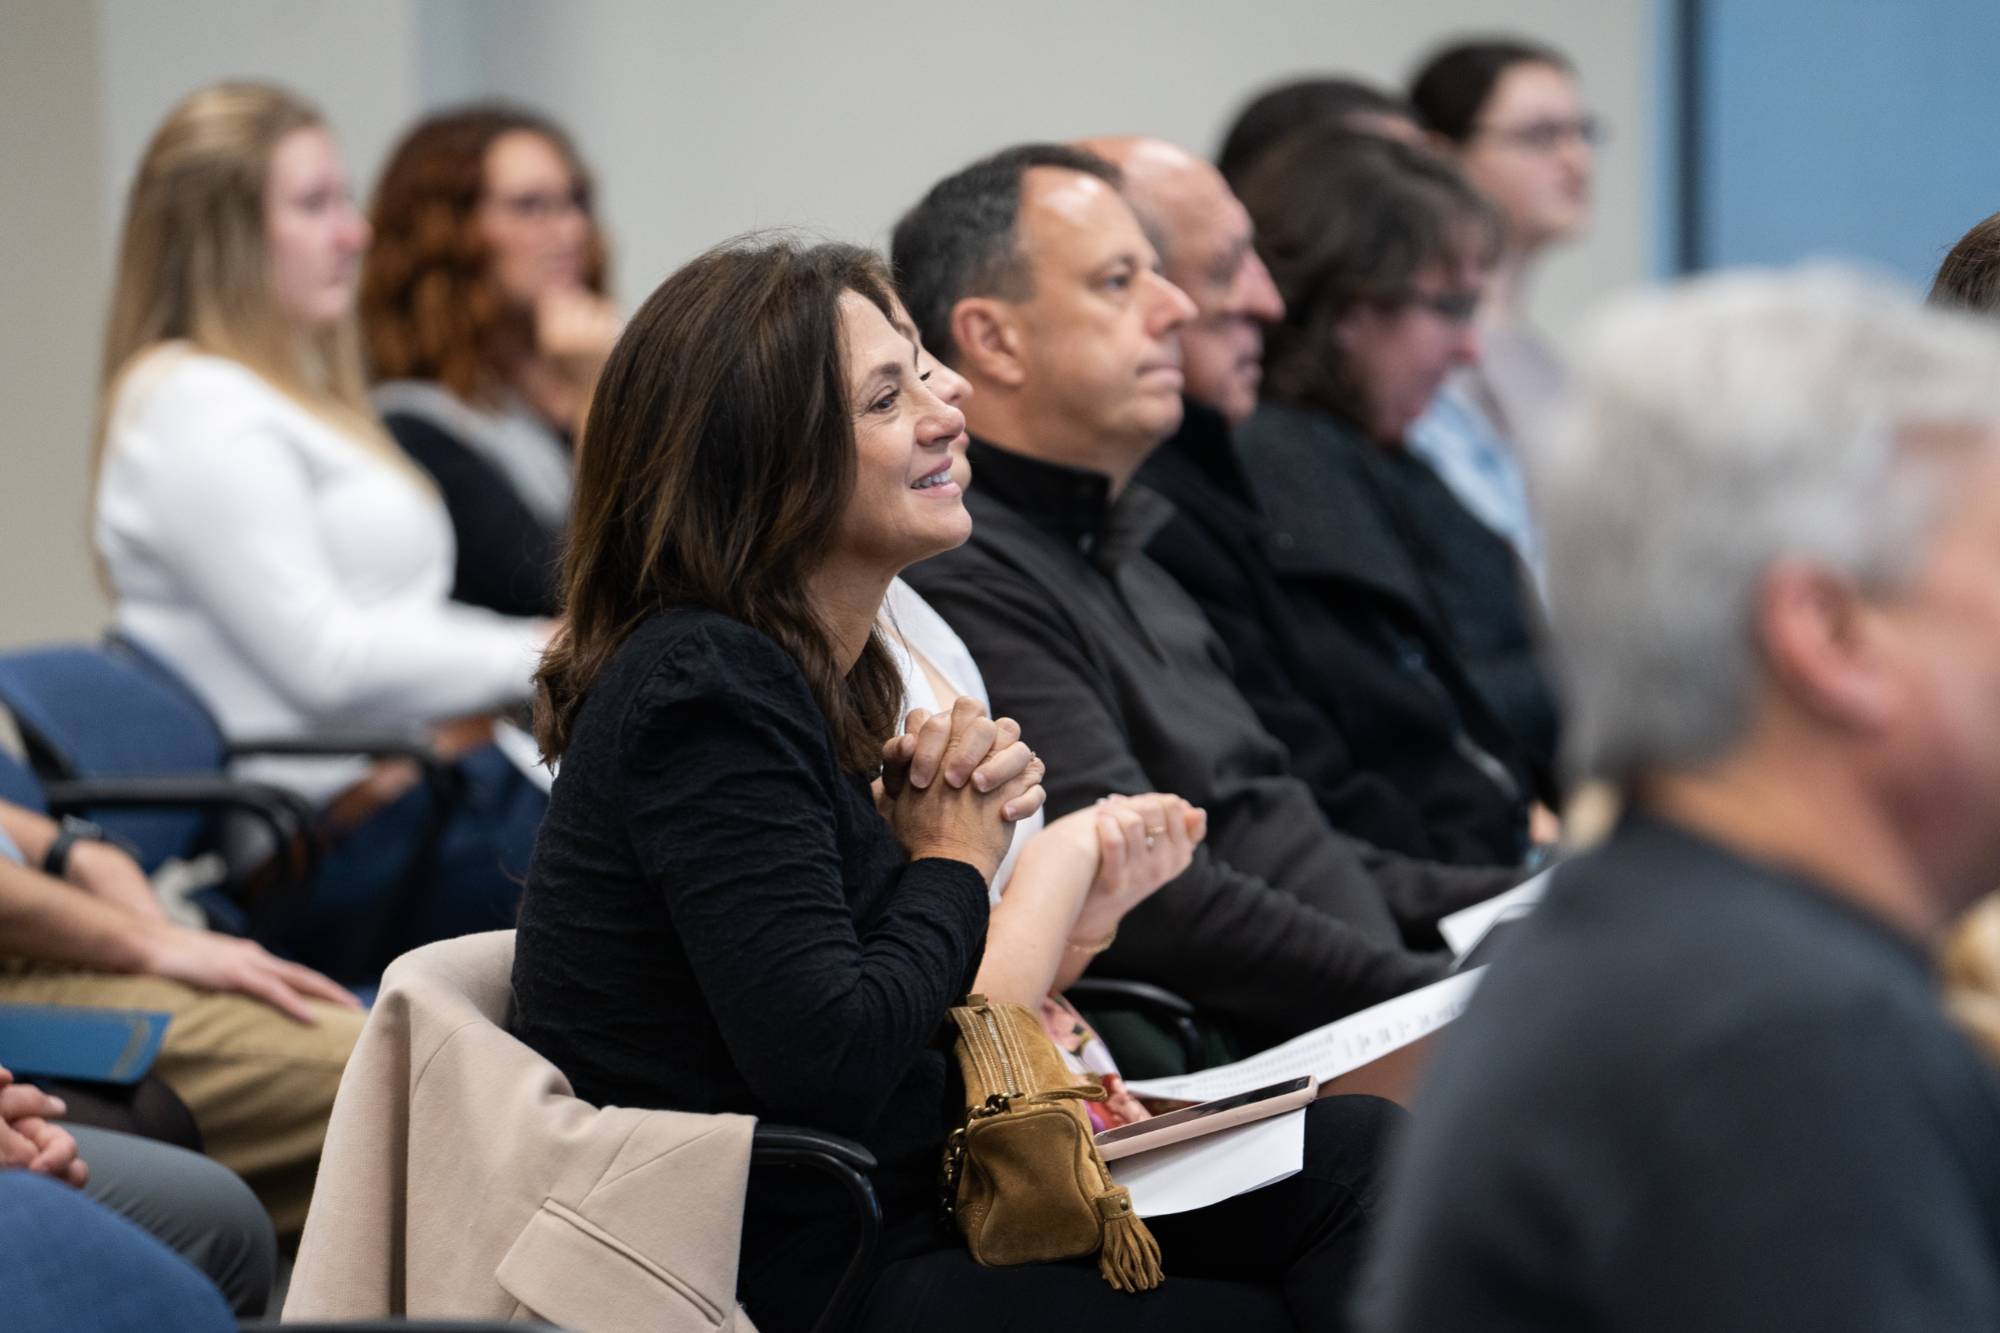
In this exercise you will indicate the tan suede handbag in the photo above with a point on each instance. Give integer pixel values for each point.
(1022, 1178)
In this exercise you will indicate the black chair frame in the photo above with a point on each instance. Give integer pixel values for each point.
(287, 818)
(848, 1163)
(440, 779)
(1154, 1002)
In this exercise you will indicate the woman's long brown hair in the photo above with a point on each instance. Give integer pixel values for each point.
(717, 461)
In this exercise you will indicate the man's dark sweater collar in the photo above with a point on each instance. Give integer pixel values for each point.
(1198, 459)
(1071, 504)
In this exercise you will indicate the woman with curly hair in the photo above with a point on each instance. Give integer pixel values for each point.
(484, 308)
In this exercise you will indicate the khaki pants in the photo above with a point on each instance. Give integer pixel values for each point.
(260, 1085)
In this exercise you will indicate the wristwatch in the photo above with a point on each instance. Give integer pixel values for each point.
(71, 831)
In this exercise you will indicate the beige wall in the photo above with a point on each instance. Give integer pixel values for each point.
(835, 118)
(82, 84)
(357, 59)
(49, 302)
(702, 121)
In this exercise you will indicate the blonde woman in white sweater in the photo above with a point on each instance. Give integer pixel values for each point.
(266, 540)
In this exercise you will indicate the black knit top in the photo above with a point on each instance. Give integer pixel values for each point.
(718, 919)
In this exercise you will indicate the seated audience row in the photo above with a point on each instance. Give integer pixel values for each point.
(1147, 453)
(1081, 636)
(484, 313)
(1509, 115)
(1334, 632)
(375, 639)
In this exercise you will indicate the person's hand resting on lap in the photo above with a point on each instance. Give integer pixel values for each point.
(28, 1138)
(102, 914)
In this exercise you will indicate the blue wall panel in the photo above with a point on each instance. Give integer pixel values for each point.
(1861, 128)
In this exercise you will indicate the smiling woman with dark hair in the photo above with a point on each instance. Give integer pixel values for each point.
(718, 917)
(722, 915)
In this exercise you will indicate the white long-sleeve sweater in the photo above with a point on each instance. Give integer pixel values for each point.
(295, 579)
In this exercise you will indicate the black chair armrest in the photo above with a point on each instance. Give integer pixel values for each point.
(288, 818)
(791, 1143)
(438, 775)
(1160, 1005)
(848, 1163)
(442, 781)
(1140, 995)
(393, 1325)
(367, 747)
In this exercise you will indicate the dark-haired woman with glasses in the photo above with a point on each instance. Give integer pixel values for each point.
(1510, 116)
(1382, 253)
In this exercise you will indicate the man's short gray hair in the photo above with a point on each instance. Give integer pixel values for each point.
(1716, 428)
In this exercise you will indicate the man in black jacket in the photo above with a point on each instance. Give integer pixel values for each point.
(1029, 274)
(1395, 740)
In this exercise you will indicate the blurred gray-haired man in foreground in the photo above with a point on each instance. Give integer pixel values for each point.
(1709, 1084)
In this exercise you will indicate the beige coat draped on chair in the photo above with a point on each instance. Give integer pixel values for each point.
(462, 1178)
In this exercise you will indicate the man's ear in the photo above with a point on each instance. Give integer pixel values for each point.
(989, 341)
(1822, 641)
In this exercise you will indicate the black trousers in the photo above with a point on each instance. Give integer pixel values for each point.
(1283, 1257)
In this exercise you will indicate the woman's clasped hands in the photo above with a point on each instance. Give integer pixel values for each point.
(955, 784)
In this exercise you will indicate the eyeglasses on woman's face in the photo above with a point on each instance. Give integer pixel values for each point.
(1453, 307)
(542, 205)
(1547, 135)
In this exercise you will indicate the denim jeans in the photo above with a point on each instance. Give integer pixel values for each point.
(368, 903)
